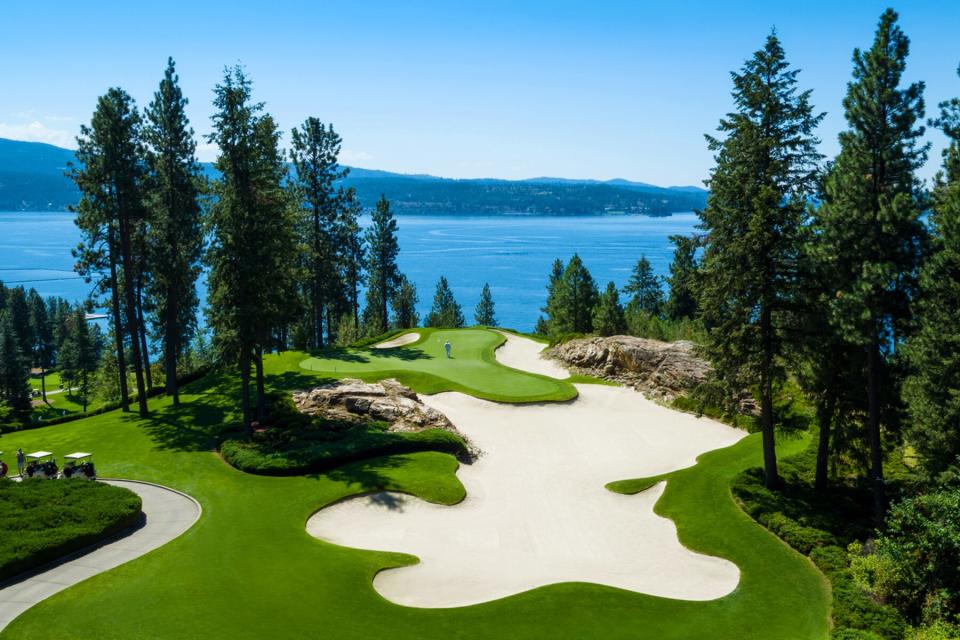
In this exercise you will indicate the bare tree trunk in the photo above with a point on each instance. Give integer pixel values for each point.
(131, 312)
(771, 476)
(245, 391)
(261, 393)
(117, 321)
(873, 428)
(143, 335)
(825, 419)
(171, 348)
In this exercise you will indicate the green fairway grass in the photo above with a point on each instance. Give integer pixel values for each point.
(248, 569)
(424, 366)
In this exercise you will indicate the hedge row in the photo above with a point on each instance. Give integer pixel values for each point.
(43, 520)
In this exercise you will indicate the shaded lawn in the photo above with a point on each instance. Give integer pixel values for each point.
(248, 569)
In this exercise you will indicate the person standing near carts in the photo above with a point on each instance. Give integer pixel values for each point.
(21, 462)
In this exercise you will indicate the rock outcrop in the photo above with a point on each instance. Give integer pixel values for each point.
(662, 370)
(387, 401)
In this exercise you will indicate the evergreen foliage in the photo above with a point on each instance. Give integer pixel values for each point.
(484, 314)
(404, 305)
(933, 390)
(79, 358)
(175, 238)
(383, 276)
(112, 177)
(682, 300)
(572, 299)
(644, 288)
(766, 170)
(445, 312)
(869, 230)
(14, 372)
(251, 269)
(608, 316)
(315, 148)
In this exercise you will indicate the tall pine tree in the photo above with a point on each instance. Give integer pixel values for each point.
(574, 297)
(111, 175)
(383, 276)
(871, 235)
(682, 301)
(608, 316)
(446, 311)
(933, 390)
(766, 170)
(644, 288)
(253, 231)
(315, 148)
(176, 232)
(404, 305)
(484, 314)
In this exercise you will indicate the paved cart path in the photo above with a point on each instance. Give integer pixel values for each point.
(169, 513)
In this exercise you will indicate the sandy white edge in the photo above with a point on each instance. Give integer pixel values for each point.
(162, 526)
(716, 576)
(399, 341)
(524, 354)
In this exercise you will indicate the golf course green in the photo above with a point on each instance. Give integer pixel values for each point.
(249, 569)
(424, 366)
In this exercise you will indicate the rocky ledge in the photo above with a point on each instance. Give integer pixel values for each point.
(662, 370)
(386, 401)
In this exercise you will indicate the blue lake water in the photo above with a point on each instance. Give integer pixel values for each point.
(512, 253)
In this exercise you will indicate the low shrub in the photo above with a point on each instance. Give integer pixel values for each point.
(322, 449)
(43, 520)
(564, 338)
(291, 443)
(822, 526)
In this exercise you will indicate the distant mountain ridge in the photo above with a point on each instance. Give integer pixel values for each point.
(32, 178)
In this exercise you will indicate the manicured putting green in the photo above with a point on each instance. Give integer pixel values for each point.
(424, 366)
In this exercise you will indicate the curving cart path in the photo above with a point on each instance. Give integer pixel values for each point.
(169, 513)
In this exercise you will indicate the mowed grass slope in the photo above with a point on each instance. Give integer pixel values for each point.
(424, 366)
(248, 569)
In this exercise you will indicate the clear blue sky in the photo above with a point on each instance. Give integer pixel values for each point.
(463, 89)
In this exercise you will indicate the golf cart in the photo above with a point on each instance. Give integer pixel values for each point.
(41, 464)
(3, 467)
(79, 465)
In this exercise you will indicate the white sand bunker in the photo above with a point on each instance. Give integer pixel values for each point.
(399, 341)
(524, 354)
(536, 510)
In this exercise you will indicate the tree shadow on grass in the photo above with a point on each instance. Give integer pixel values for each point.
(406, 354)
(293, 380)
(368, 477)
(192, 426)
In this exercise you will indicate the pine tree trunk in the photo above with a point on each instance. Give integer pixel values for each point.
(143, 335)
(873, 428)
(43, 383)
(261, 393)
(170, 348)
(245, 391)
(317, 284)
(823, 444)
(117, 322)
(131, 312)
(771, 476)
(330, 324)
